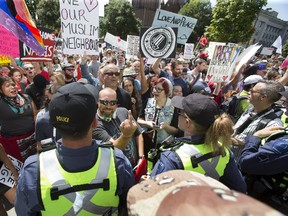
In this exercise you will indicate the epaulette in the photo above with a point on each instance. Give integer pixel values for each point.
(107, 144)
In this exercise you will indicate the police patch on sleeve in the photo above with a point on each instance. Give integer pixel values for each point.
(158, 42)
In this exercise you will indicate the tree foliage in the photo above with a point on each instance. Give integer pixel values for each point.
(233, 20)
(48, 13)
(119, 19)
(31, 5)
(285, 49)
(200, 10)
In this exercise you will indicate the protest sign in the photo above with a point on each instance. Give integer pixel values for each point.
(156, 42)
(115, 41)
(267, 51)
(210, 49)
(80, 26)
(6, 176)
(219, 69)
(188, 51)
(184, 24)
(247, 54)
(8, 43)
(28, 55)
(4, 59)
(132, 46)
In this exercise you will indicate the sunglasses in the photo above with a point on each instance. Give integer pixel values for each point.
(29, 68)
(106, 102)
(112, 73)
(158, 90)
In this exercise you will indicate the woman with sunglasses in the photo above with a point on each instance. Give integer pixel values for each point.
(159, 118)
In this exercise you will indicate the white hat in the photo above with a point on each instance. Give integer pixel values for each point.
(252, 79)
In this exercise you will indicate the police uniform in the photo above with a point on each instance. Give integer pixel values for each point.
(222, 168)
(78, 166)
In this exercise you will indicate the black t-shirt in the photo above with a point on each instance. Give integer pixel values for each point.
(124, 99)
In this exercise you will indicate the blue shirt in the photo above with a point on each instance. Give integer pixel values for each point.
(27, 193)
(178, 81)
(169, 160)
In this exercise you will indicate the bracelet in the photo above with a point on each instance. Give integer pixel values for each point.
(141, 157)
(125, 137)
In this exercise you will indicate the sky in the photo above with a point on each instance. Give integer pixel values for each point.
(281, 6)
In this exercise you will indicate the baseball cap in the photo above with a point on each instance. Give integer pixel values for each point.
(73, 107)
(199, 108)
(68, 65)
(201, 89)
(252, 79)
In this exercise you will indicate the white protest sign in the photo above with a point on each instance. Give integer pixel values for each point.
(132, 46)
(247, 54)
(210, 49)
(267, 51)
(219, 69)
(151, 61)
(184, 24)
(6, 176)
(79, 26)
(188, 51)
(115, 41)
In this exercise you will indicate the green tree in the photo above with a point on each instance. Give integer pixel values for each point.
(119, 19)
(31, 5)
(285, 49)
(233, 20)
(48, 13)
(200, 10)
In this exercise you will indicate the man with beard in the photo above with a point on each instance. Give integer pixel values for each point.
(110, 127)
(68, 71)
(176, 78)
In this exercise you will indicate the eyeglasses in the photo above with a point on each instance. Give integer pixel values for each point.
(158, 90)
(112, 73)
(106, 102)
(70, 69)
(29, 68)
(181, 113)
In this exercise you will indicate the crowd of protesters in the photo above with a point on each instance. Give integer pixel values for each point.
(142, 109)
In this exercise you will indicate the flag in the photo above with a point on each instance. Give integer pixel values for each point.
(278, 44)
(16, 18)
(203, 41)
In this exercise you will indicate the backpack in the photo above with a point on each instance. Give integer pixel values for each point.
(230, 106)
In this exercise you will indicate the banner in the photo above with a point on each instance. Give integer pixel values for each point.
(188, 51)
(267, 51)
(115, 41)
(28, 55)
(220, 67)
(132, 46)
(6, 176)
(184, 24)
(158, 42)
(5, 59)
(9, 44)
(80, 26)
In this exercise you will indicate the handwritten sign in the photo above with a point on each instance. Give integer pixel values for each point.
(115, 41)
(79, 26)
(188, 51)
(4, 59)
(219, 69)
(184, 24)
(6, 176)
(28, 55)
(210, 49)
(8, 43)
(267, 51)
(132, 46)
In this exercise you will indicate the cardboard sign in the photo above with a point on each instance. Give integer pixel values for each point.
(4, 59)
(246, 55)
(184, 24)
(221, 64)
(188, 51)
(28, 55)
(6, 176)
(158, 42)
(9, 43)
(210, 49)
(79, 26)
(267, 51)
(115, 41)
(132, 46)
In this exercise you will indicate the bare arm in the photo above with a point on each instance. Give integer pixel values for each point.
(284, 80)
(155, 66)
(144, 84)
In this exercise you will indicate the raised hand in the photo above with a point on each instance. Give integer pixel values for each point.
(128, 126)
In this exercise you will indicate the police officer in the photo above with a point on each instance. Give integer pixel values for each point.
(203, 149)
(265, 166)
(79, 176)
